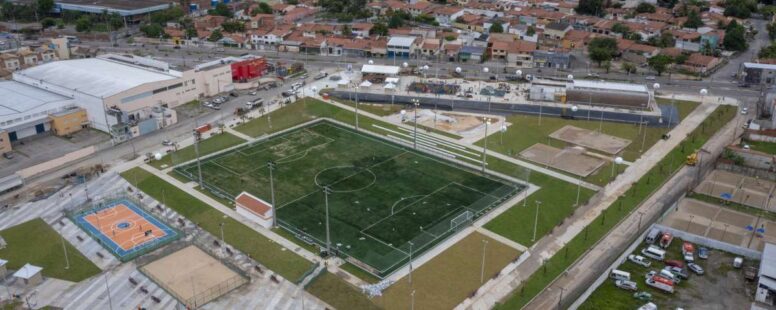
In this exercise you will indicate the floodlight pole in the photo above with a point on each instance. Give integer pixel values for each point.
(416, 103)
(271, 166)
(199, 165)
(64, 248)
(410, 274)
(355, 87)
(536, 220)
(412, 303)
(107, 288)
(326, 192)
(485, 148)
(222, 231)
(482, 266)
(579, 189)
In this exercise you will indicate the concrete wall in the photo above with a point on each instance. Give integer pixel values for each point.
(711, 243)
(507, 108)
(45, 166)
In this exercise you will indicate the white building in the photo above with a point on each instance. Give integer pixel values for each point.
(255, 209)
(25, 110)
(766, 283)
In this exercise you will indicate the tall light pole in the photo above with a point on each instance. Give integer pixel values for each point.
(484, 70)
(197, 136)
(271, 166)
(412, 303)
(355, 87)
(503, 130)
(326, 192)
(107, 288)
(416, 103)
(64, 248)
(617, 160)
(222, 231)
(482, 266)
(410, 274)
(485, 148)
(536, 220)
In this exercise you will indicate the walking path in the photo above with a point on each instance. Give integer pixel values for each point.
(239, 134)
(550, 244)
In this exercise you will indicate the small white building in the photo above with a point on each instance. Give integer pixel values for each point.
(30, 274)
(766, 283)
(3, 268)
(255, 209)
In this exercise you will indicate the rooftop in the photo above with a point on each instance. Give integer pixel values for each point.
(754, 65)
(390, 70)
(117, 4)
(401, 41)
(19, 97)
(27, 271)
(94, 76)
(609, 86)
(768, 262)
(254, 204)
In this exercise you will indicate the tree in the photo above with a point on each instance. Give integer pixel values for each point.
(345, 10)
(233, 26)
(496, 27)
(116, 21)
(530, 31)
(740, 8)
(660, 63)
(665, 39)
(602, 49)
(735, 37)
(768, 51)
(693, 20)
(45, 6)
(164, 16)
(395, 21)
(450, 37)
(48, 22)
(645, 8)
(772, 31)
(264, 8)
(628, 67)
(215, 36)
(83, 24)
(221, 9)
(152, 30)
(379, 29)
(590, 7)
(620, 28)
(680, 59)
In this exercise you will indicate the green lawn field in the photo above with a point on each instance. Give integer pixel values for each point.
(35, 242)
(386, 200)
(212, 144)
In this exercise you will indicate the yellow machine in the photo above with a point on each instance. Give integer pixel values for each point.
(692, 159)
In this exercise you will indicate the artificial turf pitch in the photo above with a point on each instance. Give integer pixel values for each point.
(386, 200)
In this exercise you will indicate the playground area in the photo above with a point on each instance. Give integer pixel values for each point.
(570, 159)
(723, 224)
(123, 228)
(591, 139)
(739, 188)
(193, 277)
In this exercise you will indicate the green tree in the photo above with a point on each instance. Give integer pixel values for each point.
(83, 24)
(496, 27)
(768, 51)
(221, 9)
(45, 6)
(693, 20)
(395, 21)
(48, 22)
(772, 31)
(590, 7)
(680, 59)
(264, 8)
(628, 67)
(233, 26)
(215, 36)
(645, 8)
(379, 29)
(660, 63)
(620, 28)
(665, 39)
(530, 31)
(164, 16)
(735, 37)
(740, 8)
(345, 10)
(116, 21)
(152, 30)
(602, 49)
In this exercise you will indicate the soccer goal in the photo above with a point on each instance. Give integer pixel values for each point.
(461, 219)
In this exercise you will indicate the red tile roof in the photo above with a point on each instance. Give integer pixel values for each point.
(253, 204)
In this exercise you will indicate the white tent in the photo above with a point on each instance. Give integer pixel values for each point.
(390, 86)
(343, 82)
(392, 80)
(378, 69)
(365, 83)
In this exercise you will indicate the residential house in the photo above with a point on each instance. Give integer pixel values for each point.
(687, 40)
(525, 32)
(260, 21)
(469, 22)
(634, 52)
(699, 63)
(401, 47)
(297, 14)
(209, 22)
(576, 40)
(10, 61)
(430, 48)
(446, 15)
(271, 37)
(420, 8)
(551, 59)
(450, 50)
(520, 54)
(472, 53)
(554, 33)
(361, 29)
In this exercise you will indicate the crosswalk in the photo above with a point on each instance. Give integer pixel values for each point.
(121, 285)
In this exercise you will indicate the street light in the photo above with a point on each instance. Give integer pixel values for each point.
(355, 87)
(503, 130)
(536, 220)
(570, 77)
(326, 192)
(271, 167)
(416, 103)
(485, 70)
(485, 148)
(482, 266)
(410, 274)
(617, 160)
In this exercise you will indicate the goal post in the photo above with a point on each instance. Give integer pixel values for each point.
(462, 218)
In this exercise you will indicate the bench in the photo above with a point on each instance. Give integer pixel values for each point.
(258, 269)
(274, 279)
(132, 281)
(143, 290)
(100, 255)
(80, 239)
(216, 243)
(156, 299)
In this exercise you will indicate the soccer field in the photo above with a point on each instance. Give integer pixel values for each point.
(386, 199)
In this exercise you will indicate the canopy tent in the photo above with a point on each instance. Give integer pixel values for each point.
(365, 84)
(390, 86)
(378, 69)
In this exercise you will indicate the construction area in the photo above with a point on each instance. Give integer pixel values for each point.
(571, 159)
(591, 139)
(749, 191)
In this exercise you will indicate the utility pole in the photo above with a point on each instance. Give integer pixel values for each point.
(410, 275)
(271, 166)
(416, 103)
(482, 266)
(64, 248)
(326, 192)
(197, 136)
(536, 220)
(485, 149)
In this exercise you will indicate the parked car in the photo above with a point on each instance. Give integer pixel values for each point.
(287, 93)
(8, 155)
(234, 94)
(253, 93)
(695, 268)
(626, 285)
(744, 111)
(679, 272)
(703, 253)
(321, 76)
(642, 296)
(674, 263)
(650, 78)
(639, 260)
(167, 142)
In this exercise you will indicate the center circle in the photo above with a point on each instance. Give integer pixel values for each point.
(343, 179)
(123, 225)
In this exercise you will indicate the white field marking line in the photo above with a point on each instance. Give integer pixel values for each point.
(386, 244)
(428, 137)
(222, 167)
(306, 151)
(250, 146)
(281, 160)
(476, 190)
(434, 148)
(345, 178)
(419, 154)
(407, 206)
(264, 146)
(402, 199)
(431, 141)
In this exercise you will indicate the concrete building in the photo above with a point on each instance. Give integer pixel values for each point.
(30, 275)
(255, 209)
(401, 47)
(25, 111)
(134, 9)
(550, 59)
(757, 74)
(622, 95)
(766, 283)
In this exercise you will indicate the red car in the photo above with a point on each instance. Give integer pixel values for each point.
(674, 263)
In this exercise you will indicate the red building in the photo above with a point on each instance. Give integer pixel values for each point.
(250, 67)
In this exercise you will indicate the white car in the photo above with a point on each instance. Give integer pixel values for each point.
(639, 260)
(650, 78)
(695, 268)
(626, 285)
(744, 111)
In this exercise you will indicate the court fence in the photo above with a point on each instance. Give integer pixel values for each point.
(203, 297)
(76, 212)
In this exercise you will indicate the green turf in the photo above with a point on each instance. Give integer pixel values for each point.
(765, 147)
(265, 251)
(640, 191)
(212, 144)
(385, 196)
(35, 242)
(338, 293)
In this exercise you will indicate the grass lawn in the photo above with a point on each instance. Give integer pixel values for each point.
(765, 147)
(274, 256)
(338, 293)
(623, 206)
(446, 280)
(35, 242)
(212, 144)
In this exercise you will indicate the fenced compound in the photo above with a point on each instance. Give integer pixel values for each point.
(120, 224)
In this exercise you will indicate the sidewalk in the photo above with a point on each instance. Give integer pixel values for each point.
(550, 244)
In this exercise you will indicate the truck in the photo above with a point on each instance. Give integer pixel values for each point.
(688, 252)
(660, 283)
(692, 159)
(666, 239)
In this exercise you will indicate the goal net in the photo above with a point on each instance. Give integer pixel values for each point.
(461, 219)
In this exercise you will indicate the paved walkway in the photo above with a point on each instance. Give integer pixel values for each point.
(550, 244)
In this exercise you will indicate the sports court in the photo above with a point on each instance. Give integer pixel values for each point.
(386, 200)
(753, 192)
(723, 224)
(591, 139)
(571, 160)
(193, 277)
(123, 228)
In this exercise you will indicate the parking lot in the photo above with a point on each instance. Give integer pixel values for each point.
(37, 149)
(720, 287)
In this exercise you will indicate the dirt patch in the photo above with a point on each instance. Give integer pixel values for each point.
(572, 160)
(591, 139)
(450, 122)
